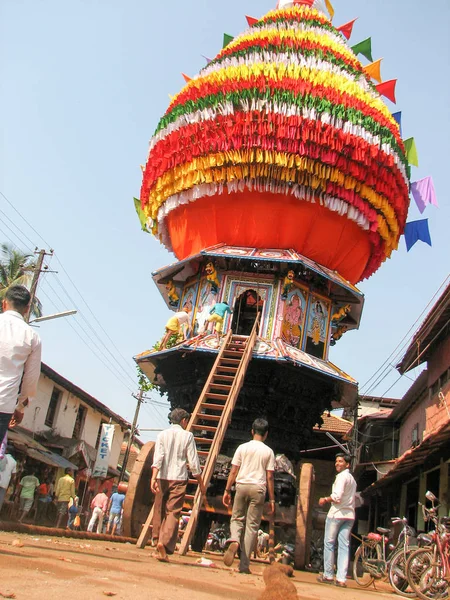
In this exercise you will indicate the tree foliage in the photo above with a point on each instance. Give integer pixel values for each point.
(16, 268)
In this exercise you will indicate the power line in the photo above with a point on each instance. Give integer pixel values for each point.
(81, 313)
(23, 218)
(77, 333)
(120, 366)
(33, 245)
(403, 342)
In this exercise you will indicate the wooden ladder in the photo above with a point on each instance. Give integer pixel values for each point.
(209, 421)
(212, 415)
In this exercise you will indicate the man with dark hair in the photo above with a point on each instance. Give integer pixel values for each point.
(65, 490)
(339, 523)
(252, 469)
(174, 450)
(20, 357)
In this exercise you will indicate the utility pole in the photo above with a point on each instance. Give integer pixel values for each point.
(36, 274)
(140, 400)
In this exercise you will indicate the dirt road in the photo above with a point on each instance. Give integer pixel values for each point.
(56, 568)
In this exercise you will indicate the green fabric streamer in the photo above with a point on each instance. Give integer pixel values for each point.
(364, 48)
(141, 215)
(321, 105)
(227, 39)
(411, 152)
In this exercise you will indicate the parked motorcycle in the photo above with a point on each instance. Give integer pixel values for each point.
(216, 540)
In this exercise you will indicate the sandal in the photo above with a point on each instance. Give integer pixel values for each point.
(322, 579)
(341, 584)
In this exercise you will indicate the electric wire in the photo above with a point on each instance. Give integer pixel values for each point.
(77, 333)
(23, 218)
(399, 348)
(120, 366)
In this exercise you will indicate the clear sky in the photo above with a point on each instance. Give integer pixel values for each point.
(83, 85)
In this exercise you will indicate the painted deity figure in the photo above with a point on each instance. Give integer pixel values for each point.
(212, 277)
(317, 324)
(172, 293)
(288, 283)
(291, 329)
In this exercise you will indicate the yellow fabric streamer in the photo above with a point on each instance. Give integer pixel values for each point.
(238, 164)
(277, 73)
(330, 8)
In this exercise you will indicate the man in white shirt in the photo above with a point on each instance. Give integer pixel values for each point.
(339, 523)
(8, 470)
(174, 450)
(20, 357)
(252, 469)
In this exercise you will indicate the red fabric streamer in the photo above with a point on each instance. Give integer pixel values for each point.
(313, 139)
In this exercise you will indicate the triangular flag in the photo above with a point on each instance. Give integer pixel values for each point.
(398, 117)
(171, 97)
(374, 70)
(364, 48)
(417, 231)
(208, 60)
(387, 88)
(411, 151)
(141, 215)
(330, 8)
(424, 193)
(251, 20)
(186, 78)
(227, 39)
(347, 28)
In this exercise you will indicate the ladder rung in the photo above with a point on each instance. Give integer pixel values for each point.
(200, 440)
(230, 360)
(203, 427)
(231, 353)
(213, 406)
(226, 369)
(220, 386)
(236, 336)
(215, 396)
(189, 497)
(224, 377)
(192, 482)
(203, 417)
(203, 453)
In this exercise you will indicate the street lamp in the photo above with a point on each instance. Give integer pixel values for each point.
(65, 313)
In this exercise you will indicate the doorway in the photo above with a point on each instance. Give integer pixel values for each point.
(245, 310)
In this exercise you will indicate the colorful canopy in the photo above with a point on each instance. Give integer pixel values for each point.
(281, 141)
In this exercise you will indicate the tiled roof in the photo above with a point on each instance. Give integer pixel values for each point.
(333, 424)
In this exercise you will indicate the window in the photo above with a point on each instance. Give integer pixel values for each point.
(52, 407)
(415, 436)
(99, 433)
(79, 422)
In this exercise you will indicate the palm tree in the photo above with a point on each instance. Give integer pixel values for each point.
(16, 268)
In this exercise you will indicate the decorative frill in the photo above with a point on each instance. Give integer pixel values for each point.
(287, 108)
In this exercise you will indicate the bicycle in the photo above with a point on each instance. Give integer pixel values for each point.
(371, 562)
(428, 569)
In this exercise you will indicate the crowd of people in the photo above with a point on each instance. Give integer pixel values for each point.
(34, 498)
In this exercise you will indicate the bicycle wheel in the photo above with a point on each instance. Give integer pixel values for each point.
(366, 564)
(424, 570)
(397, 572)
